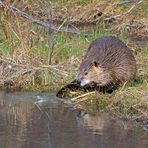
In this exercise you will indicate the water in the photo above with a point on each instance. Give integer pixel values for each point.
(33, 120)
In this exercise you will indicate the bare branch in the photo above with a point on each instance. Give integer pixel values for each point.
(120, 15)
(36, 20)
(51, 37)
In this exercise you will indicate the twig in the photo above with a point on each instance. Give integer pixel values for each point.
(121, 15)
(81, 100)
(41, 67)
(51, 37)
(86, 94)
(37, 21)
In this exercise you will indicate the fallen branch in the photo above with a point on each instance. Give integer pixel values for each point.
(53, 68)
(121, 15)
(15, 75)
(37, 21)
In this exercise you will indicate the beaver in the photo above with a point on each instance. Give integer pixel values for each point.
(108, 62)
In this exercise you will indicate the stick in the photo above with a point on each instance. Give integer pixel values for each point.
(86, 94)
(120, 15)
(37, 21)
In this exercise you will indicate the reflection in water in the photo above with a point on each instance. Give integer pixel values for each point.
(31, 120)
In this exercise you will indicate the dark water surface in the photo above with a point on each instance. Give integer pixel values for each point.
(40, 120)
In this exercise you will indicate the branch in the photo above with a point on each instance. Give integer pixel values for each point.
(120, 15)
(53, 68)
(37, 21)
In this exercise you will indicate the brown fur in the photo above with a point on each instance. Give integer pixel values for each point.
(107, 64)
(108, 60)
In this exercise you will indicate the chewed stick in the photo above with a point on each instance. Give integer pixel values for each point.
(84, 95)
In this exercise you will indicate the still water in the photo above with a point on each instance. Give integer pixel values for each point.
(40, 120)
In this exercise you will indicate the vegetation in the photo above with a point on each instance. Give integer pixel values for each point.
(35, 57)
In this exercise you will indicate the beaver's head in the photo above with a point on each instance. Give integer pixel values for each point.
(92, 74)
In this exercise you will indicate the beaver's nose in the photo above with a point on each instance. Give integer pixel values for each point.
(78, 82)
(79, 79)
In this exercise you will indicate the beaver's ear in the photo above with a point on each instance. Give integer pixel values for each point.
(95, 64)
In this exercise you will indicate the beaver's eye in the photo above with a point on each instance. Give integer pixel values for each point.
(85, 73)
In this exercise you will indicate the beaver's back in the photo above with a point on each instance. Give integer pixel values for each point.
(113, 56)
